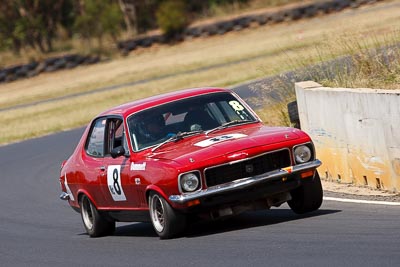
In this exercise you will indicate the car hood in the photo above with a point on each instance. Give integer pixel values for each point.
(228, 145)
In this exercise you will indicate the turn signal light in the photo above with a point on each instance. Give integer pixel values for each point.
(193, 202)
(307, 174)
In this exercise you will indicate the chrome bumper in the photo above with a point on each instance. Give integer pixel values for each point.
(245, 182)
(64, 196)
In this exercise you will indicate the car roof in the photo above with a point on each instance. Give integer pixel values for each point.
(141, 104)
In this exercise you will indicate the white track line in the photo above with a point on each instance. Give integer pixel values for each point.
(362, 201)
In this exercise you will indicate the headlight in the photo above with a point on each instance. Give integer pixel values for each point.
(190, 182)
(302, 154)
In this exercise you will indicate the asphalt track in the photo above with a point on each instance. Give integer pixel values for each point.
(38, 229)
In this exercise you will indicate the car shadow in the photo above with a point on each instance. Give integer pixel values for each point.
(210, 227)
(136, 229)
(250, 220)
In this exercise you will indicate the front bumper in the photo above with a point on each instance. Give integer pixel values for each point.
(245, 183)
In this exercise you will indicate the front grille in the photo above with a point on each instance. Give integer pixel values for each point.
(247, 168)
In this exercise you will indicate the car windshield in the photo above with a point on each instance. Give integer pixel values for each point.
(198, 114)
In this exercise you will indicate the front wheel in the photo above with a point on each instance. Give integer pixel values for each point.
(307, 197)
(96, 224)
(166, 221)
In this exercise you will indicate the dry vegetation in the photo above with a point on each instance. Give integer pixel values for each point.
(67, 44)
(253, 53)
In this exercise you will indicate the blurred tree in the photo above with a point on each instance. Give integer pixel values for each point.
(32, 23)
(128, 9)
(172, 17)
(97, 18)
(10, 37)
(36, 23)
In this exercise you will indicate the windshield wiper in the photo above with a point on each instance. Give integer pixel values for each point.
(227, 124)
(175, 138)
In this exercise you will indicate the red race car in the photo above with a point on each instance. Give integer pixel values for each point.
(197, 152)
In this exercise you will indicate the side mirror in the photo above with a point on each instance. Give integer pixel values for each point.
(117, 152)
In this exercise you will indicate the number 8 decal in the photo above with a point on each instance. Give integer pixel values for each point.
(236, 105)
(114, 183)
(117, 188)
(239, 109)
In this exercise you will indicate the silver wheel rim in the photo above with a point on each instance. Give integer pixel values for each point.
(157, 213)
(87, 213)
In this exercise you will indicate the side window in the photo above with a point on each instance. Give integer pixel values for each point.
(115, 135)
(95, 144)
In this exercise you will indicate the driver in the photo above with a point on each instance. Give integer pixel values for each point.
(154, 127)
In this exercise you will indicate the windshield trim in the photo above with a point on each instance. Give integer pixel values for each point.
(179, 136)
(133, 143)
(230, 124)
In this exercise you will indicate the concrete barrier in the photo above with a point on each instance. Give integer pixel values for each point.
(356, 133)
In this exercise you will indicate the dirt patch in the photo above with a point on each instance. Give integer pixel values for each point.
(351, 191)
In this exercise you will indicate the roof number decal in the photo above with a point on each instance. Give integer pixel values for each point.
(236, 105)
(219, 139)
(239, 109)
(114, 183)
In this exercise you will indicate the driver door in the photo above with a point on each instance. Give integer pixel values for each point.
(116, 182)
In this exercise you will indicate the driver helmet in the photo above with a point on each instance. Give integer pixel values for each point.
(152, 127)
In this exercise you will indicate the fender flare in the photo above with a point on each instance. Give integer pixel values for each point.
(81, 192)
(157, 189)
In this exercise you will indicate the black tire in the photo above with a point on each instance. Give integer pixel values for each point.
(32, 65)
(22, 72)
(167, 222)
(243, 22)
(310, 11)
(10, 78)
(3, 75)
(295, 14)
(263, 19)
(158, 39)
(60, 63)
(293, 111)
(339, 5)
(190, 32)
(71, 65)
(294, 114)
(308, 197)
(50, 68)
(147, 42)
(95, 223)
(212, 30)
(325, 7)
(51, 61)
(278, 17)
(224, 27)
(92, 60)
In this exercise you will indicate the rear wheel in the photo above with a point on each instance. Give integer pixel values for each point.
(307, 197)
(166, 221)
(96, 224)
